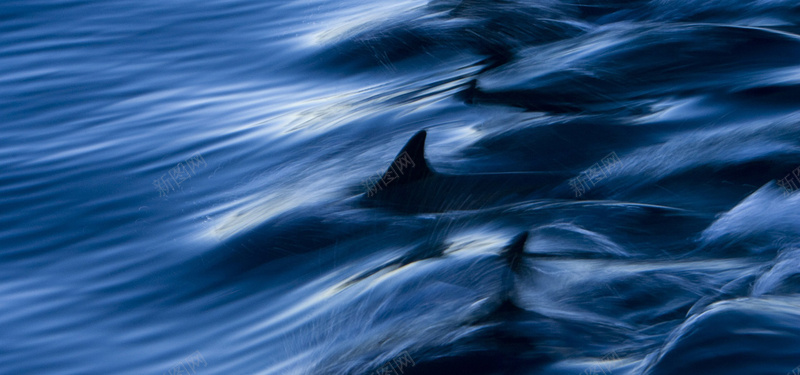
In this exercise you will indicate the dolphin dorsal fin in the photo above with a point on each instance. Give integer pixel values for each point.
(410, 165)
(513, 252)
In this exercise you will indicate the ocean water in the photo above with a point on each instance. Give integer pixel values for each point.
(184, 187)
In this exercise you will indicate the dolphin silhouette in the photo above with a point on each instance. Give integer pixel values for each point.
(504, 337)
(410, 184)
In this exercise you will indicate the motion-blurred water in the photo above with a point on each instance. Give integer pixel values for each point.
(180, 185)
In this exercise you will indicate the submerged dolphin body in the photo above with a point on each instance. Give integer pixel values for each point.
(503, 338)
(411, 185)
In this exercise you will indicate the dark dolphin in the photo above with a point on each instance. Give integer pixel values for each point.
(411, 185)
(505, 337)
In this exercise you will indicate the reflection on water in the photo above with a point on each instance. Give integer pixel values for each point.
(182, 187)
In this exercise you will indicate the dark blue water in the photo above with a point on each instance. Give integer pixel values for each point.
(182, 187)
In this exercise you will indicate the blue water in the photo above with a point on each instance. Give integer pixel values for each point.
(181, 187)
